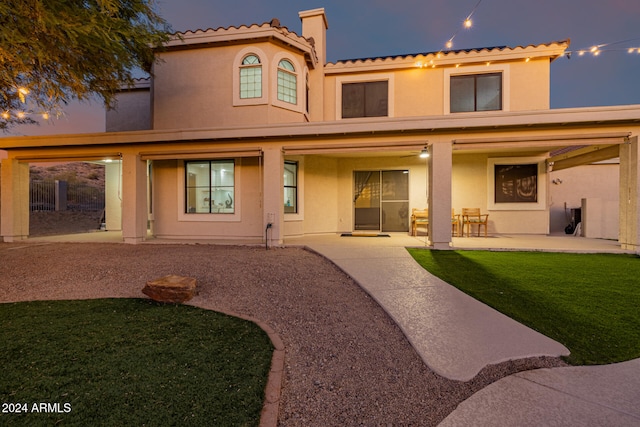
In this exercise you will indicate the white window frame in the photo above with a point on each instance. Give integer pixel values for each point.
(209, 217)
(237, 65)
(299, 106)
(388, 77)
(293, 75)
(540, 205)
(505, 69)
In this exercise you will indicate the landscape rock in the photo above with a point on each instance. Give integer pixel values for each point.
(172, 288)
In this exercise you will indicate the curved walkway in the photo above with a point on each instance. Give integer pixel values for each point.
(457, 336)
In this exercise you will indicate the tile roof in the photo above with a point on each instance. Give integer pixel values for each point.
(447, 53)
(274, 23)
(271, 29)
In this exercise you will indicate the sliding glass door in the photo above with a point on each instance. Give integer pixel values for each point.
(381, 200)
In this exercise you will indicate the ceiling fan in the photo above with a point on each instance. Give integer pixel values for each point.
(423, 154)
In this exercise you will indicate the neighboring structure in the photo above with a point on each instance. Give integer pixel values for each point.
(248, 130)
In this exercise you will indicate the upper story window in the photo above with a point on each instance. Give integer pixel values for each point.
(209, 186)
(287, 82)
(250, 77)
(365, 99)
(476, 92)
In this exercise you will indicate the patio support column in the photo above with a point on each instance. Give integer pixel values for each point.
(134, 198)
(273, 194)
(14, 202)
(113, 195)
(440, 166)
(629, 233)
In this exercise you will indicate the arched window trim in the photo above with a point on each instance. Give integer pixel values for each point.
(251, 77)
(238, 66)
(299, 70)
(287, 82)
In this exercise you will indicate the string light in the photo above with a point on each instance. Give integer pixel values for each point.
(467, 23)
(596, 50)
(22, 93)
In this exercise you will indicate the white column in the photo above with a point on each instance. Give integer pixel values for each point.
(629, 233)
(134, 198)
(440, 165)
(113, 195)
(273, 194)
(14, 201)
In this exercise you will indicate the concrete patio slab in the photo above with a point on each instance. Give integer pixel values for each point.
(576, 396)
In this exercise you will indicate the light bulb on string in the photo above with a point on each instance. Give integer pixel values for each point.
(468, 23)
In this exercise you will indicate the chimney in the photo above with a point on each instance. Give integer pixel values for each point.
(314, 25)
(314, 28)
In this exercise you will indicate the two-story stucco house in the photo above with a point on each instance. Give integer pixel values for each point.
(248, 129)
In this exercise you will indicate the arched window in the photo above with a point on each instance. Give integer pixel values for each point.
(287, 82)
(250, 77)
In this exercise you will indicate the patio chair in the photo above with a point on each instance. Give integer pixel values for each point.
(455, 223)
(419, 217)
(472, 216)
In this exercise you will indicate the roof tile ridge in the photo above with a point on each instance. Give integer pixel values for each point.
(446, 52)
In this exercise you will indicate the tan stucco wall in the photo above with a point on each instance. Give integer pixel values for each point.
(530, 85)
(418, 91)
(583, 182)
(471, 190)
(194, 89)
(168, 204)
(327, 197)
(320, 196)
(132, 112)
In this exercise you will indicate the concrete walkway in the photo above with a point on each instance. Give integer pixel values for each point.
(457, 336)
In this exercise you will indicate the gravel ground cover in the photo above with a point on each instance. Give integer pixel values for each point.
(346, 362)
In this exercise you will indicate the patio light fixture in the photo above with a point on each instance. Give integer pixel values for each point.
(424, 153)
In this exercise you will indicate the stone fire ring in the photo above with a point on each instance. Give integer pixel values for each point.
(171, 289)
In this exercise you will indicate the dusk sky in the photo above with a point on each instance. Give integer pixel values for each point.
(372, 28)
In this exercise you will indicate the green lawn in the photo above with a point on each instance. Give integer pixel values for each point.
(116, 362)
(588, 302)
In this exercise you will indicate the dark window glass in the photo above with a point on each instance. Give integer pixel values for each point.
(477, 92)
(366, 99)
(516, 183)
(290, 187)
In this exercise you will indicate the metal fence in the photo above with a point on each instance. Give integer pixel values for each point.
(56, 195)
